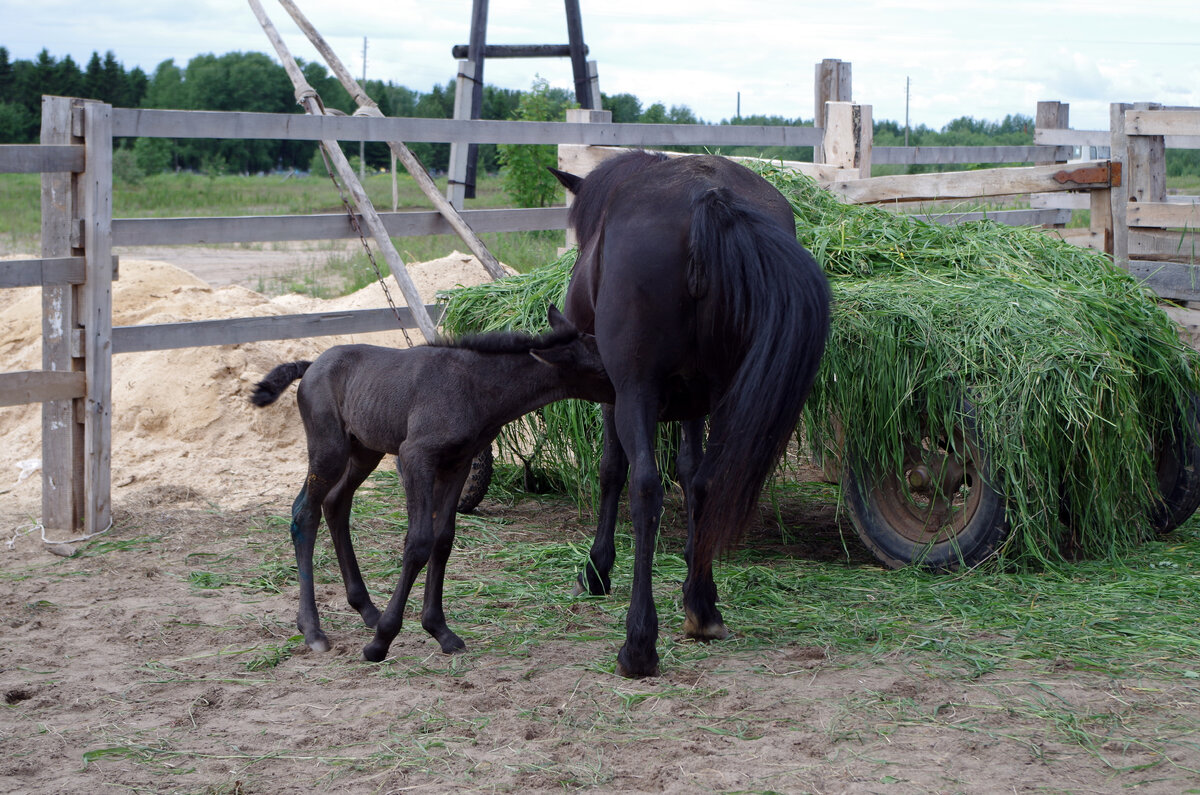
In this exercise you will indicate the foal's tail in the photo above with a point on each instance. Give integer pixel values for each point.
(268, 390)
(769, 305)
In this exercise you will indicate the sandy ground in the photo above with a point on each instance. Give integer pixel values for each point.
(125, 669)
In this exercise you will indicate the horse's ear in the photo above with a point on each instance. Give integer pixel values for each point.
(558, 321)
(569, 181)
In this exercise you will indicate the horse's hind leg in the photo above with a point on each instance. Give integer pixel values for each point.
(337, 516)
(702, 619)
(306, 518)
(433, 617)
(614, 466)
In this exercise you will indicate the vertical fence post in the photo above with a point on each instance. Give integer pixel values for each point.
(456, 176)
(1118, 159)
(62, 420)
(1052, 116)
(849, 137)
(832, 84)
(95, 189)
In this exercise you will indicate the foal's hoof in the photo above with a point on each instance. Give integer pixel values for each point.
(375, 652)
(451, 643)
(319, 643)
(586, 586)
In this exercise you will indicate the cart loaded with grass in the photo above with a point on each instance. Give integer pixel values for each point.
(987, 392)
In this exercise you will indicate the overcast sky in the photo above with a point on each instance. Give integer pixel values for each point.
(979, 58)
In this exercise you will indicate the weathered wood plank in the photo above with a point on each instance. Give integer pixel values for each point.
(1050, 137)
(1164, 246)
(1172, 280)
(848, 144)
(62, 433)
(1163, 214)
(153, 123)
(1006, 217)
(95, 188)
(235, 331)
(40, 158)
(969, 184)
(1153, 121)
(261, 228)
(945, 155)
(39, 272)
(1061, 201)
(38, 386)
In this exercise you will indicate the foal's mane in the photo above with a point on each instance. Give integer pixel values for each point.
(507, 341)
(588, 207)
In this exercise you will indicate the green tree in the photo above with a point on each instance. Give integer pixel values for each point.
(524, 167)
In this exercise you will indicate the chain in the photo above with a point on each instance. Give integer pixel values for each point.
(366, 245)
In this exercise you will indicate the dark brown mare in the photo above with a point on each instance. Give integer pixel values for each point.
(703, 305)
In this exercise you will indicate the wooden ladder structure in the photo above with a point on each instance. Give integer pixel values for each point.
(468, 87)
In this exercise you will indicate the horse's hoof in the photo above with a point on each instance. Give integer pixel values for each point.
(319, 643)
(452, 644)
(375, 652)
(636, 669)
(714, 630)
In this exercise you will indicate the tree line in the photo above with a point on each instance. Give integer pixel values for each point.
(252, 81)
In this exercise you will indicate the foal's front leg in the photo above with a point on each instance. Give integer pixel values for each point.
(595, 578)
(418, 544)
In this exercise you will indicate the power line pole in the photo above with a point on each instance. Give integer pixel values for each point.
(907, 86)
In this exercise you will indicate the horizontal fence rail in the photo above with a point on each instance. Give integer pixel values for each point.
(265, 228)
(139, 123)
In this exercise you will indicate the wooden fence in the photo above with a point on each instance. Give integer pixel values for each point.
(78, 232)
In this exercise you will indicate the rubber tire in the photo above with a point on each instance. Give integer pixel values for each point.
(984, 532)
(477, 483)
(1178, 464)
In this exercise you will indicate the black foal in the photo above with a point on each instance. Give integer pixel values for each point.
(435, 407)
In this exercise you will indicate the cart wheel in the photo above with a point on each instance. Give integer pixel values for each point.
(477, 482)
(1178, 463)
(938, 511)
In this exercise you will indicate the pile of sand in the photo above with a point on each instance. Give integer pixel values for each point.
(181, 423)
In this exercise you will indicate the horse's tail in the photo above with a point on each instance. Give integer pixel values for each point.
(268, 390)
(769, 301)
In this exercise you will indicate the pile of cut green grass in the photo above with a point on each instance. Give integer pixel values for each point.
(1071, 370)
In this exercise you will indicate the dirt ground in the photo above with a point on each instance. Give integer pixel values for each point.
(127, 667)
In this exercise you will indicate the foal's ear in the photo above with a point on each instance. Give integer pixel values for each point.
(558, 320)
(568, 181)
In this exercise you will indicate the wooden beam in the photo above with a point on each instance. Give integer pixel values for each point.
(1070, 137)
(40, 272)
(153, 123)
(39, 386)
(941, 155)
(62, 432)
(1154, 121)
(970, 184)
(1159, 245)
(1172, 280)
(1006, 217)
(1163, 214)
(95, 189)
(40, 158)
(460, 51)
(263, 228)
(235, 331)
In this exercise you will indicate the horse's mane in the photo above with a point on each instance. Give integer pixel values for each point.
(588, 207)
(507, 341)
